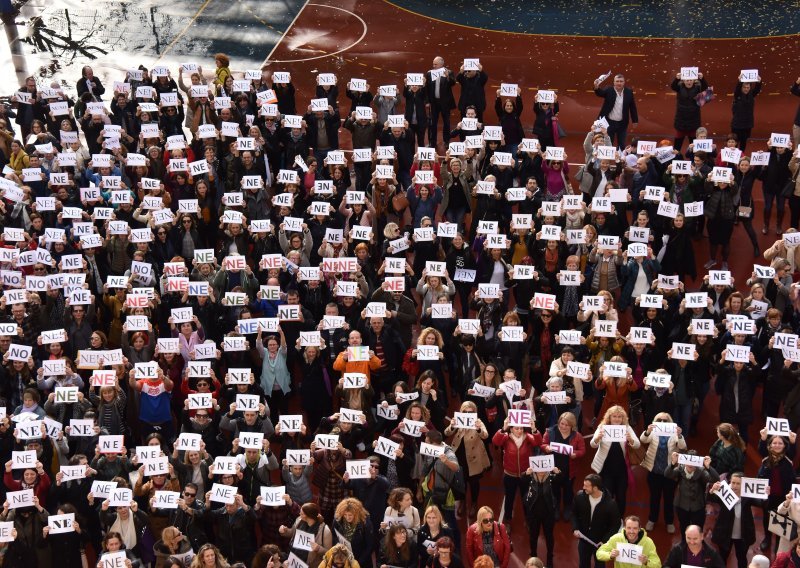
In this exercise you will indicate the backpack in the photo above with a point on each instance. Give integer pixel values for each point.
(459, 485)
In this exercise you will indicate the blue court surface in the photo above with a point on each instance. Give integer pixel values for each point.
(708, 19)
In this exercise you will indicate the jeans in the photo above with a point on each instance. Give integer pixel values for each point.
(769, 198)
(661, 487)
(683, 415)
(619, 130)
(511, 484)
(437, 110)
(452, 215)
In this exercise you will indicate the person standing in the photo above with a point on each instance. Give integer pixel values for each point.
(735, 528)
(687, 111)
(742, 109)
(619, 108)
(595, 517)
(440, 99)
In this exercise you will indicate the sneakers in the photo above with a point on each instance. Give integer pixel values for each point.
(710, 264)
(671, 529)
(649, 526)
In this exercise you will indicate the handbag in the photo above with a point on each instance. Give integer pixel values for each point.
(782, 526)
(399, 203)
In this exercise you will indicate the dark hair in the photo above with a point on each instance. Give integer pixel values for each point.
(434, 437)
(595, 480)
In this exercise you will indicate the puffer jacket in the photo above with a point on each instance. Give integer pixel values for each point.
(515, 459)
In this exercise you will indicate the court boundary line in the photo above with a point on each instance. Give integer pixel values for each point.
(332, 54)
(525, 34)
(283, 35)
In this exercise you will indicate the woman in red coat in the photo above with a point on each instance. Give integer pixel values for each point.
(484, 525)
(517, 445)
(32, 478)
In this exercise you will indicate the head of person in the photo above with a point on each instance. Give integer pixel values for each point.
(485, 519)
(593, 485)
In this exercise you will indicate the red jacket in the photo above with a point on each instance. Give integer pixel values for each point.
(40, 489)
(515, 460)
(783, 560)
(502, 545)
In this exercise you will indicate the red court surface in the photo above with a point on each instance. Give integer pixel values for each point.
(376, 40)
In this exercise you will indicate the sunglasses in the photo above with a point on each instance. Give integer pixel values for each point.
(187, 494)
(487, 521)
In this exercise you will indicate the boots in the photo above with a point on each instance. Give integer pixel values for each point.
(779, 228)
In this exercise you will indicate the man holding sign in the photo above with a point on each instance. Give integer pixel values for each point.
(631, 539)
(619, 107)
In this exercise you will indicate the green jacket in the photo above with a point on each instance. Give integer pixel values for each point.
(647, 544)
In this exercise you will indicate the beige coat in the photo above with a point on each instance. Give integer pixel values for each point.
(474, 448)
(673, 445)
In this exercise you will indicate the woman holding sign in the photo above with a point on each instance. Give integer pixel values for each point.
(776, 466)
(660, 446)
(472, 455)
(691, 476)
(612, 439)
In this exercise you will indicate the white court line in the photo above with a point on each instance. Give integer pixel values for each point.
(352, 45)
(286, 31)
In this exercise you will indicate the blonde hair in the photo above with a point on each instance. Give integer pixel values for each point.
(483, 512)
(352, 505)
(436, 511)
(468, 406)
(423, 335)
(616, 409)
(388, 230)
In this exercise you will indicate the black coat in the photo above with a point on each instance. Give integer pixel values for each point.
(416, 101)
(609, 96)
(446, 101)
(743, 106)
(472, 92)
(603, 524)
(725, 385)
(687, 113)
(721, 535)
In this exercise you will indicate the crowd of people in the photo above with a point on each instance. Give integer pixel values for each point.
(226, 341)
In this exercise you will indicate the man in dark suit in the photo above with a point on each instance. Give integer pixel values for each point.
(440, 100)
(619, 108)
(595, 517)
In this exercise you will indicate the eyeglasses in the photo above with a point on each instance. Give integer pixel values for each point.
(490, 371)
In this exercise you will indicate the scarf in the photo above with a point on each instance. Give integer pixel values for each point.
(348, 529)
(127, 529)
